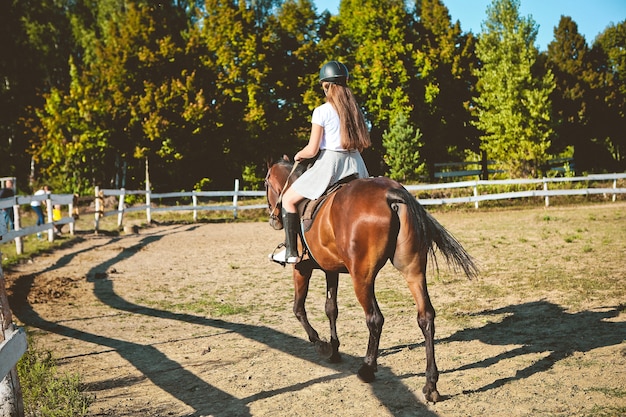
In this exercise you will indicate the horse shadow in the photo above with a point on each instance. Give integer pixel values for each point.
(168, 374)
(540, 327)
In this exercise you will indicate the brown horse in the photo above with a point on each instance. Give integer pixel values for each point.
(356, 230)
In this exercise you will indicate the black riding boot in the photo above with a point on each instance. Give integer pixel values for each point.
(291, 224)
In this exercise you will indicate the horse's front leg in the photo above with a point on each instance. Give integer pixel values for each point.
(301, 279)
(332, 312)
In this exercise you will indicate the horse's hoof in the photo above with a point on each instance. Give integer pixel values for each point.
(366, 373)
(431, 395)
(335, 358)
(324, 349)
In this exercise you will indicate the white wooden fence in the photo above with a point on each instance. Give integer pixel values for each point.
(18, 232)
(194, 207)
(544, 192)
(478, 191)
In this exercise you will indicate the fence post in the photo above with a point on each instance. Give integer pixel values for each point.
(11, 403)
(19, 243)
(614, 187)
(545, 188)
(70, 209)
(120, 207)
(50, 218)
(194, 202)
(235, 198)
(98, 209)
(476, 194)
(148, 207)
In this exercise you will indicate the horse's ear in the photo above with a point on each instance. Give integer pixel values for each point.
(286, 158)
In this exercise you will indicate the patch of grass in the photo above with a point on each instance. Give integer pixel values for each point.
(47, 392)
(203, 306)
(572, 238)
(394, 297)
(32, 247)
(610, 392)
(599, 411)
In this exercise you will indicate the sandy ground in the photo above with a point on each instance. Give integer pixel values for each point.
(192, 320)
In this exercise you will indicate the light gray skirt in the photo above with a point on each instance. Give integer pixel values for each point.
(329, 168)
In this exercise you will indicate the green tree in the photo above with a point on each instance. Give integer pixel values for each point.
(567, 59)
(443, 115)
(231, 34)
(402, 144)
(36, 44)
(291, 87)
(513, 107)
(379, 45)
(134, 99)
(610, 62)
(72, 154)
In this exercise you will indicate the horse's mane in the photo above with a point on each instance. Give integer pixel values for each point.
(289, 166)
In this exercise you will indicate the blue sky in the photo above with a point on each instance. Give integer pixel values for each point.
(591, 16)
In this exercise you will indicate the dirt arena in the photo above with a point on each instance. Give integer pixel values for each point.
(193, 320)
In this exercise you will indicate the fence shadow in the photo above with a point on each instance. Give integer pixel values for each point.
(169, 375)
(540, 327)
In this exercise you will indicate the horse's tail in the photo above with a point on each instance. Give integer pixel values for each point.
(431, 233)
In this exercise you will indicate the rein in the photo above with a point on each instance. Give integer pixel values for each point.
(282, 191)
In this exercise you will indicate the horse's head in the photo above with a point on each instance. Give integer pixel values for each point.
(275, 181)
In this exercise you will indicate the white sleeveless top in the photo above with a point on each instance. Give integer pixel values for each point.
(327, 117)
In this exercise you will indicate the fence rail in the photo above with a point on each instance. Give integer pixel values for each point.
(13, 344)
(474, 196)
(478, 191)
(11, 348)
(194, 207)
(544, 192)
(18, 231)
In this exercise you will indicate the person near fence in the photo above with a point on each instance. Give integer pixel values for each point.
(56, 216)
(7, 213)
(37, 206)
(338, 136)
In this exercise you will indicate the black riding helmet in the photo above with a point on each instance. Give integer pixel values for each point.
(334, 72)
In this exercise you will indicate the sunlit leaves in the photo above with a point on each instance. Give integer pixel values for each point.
(513, 106)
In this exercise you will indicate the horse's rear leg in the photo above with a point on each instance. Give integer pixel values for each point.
(375, 320)
(426, 322)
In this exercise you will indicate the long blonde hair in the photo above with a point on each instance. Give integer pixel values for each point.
(354, 133)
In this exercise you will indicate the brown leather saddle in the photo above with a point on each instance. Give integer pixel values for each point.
(308, 209)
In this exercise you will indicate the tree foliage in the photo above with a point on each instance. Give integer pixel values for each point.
(403, 144)
(443, 114)
(513, 107)
(611, 48)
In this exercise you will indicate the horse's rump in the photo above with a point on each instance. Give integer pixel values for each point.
(352, 223)
(367, 213)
